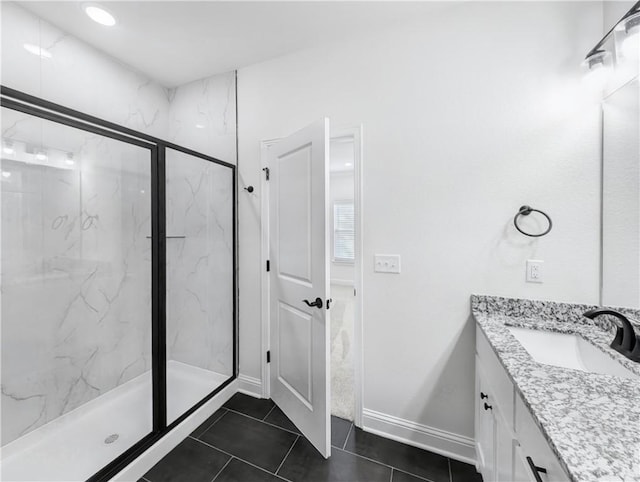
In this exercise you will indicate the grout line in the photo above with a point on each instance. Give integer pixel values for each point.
(223, 467)
(262, 421)
(347, 439)
(241, 460)
(297, 437)
(450, 472)
(272, 408)
(285, 457)
(214, 422)
(412, 475)
(382, 463)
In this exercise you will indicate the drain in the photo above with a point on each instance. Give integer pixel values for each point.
(111, 438)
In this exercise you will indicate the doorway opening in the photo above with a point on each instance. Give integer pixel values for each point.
(343, 224)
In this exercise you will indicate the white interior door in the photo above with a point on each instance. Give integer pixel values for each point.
(299, 333)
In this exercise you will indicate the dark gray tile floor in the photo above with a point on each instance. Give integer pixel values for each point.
(251, 440)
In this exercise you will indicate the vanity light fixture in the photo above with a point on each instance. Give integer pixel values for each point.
(39, 51)
(629, 29)
(99, 15)
(597, 68)
(41, 156)
(8, 148)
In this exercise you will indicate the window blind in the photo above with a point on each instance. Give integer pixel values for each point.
(343, 231)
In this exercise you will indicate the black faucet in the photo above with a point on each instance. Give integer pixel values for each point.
(626, 341)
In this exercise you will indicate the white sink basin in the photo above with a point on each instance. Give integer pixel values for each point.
(568, 351)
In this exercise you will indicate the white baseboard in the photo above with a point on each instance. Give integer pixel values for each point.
(140, 466)
(457, 447)
(250, 386)
(342, 282)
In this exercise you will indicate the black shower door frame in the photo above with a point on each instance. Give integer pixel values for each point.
(35, 106)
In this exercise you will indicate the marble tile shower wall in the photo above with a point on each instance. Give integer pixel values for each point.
(71, 73)
(96, 299)
(200, 265)
(202, 116)
(76, 271)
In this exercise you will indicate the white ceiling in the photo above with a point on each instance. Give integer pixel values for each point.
(175, 42)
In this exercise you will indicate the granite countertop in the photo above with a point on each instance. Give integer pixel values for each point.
(591, 421)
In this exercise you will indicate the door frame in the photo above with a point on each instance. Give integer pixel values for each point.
(358, 354)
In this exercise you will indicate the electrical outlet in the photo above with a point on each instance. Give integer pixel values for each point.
(387, 263)
(535, 271)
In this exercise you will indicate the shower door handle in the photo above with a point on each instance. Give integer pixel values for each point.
(317, 303)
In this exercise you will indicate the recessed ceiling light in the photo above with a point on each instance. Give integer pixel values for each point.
(100, 15)
(41, 156)
(200, 126)
(39, 51)
(348, 164)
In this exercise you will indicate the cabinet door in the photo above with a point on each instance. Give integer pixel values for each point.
(521, 470)
(504, 441)
(534, 445)
(485, 428)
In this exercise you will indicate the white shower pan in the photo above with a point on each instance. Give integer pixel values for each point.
(81, 442)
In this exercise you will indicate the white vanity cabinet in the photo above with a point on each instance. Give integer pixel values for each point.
(509, 445)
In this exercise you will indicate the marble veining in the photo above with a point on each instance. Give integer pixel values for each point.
(76, 271)
(76, 260)
(200, 265)
(591, 421)
(202, 116)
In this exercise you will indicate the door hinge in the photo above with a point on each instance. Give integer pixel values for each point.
(269, 356)
(268, 265)
(266, 172)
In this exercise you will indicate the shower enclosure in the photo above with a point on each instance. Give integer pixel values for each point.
(118, 290)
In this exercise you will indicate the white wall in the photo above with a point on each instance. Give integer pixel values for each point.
(341, 187)
(467, 115)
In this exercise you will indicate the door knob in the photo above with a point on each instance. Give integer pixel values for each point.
(317, 303)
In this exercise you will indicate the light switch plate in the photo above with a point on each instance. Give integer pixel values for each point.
(387, 263)
(535, 271)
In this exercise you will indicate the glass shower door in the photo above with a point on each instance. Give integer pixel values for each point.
(76, 298)
(200, 274)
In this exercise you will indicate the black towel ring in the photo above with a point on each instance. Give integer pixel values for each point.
(525, 211)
